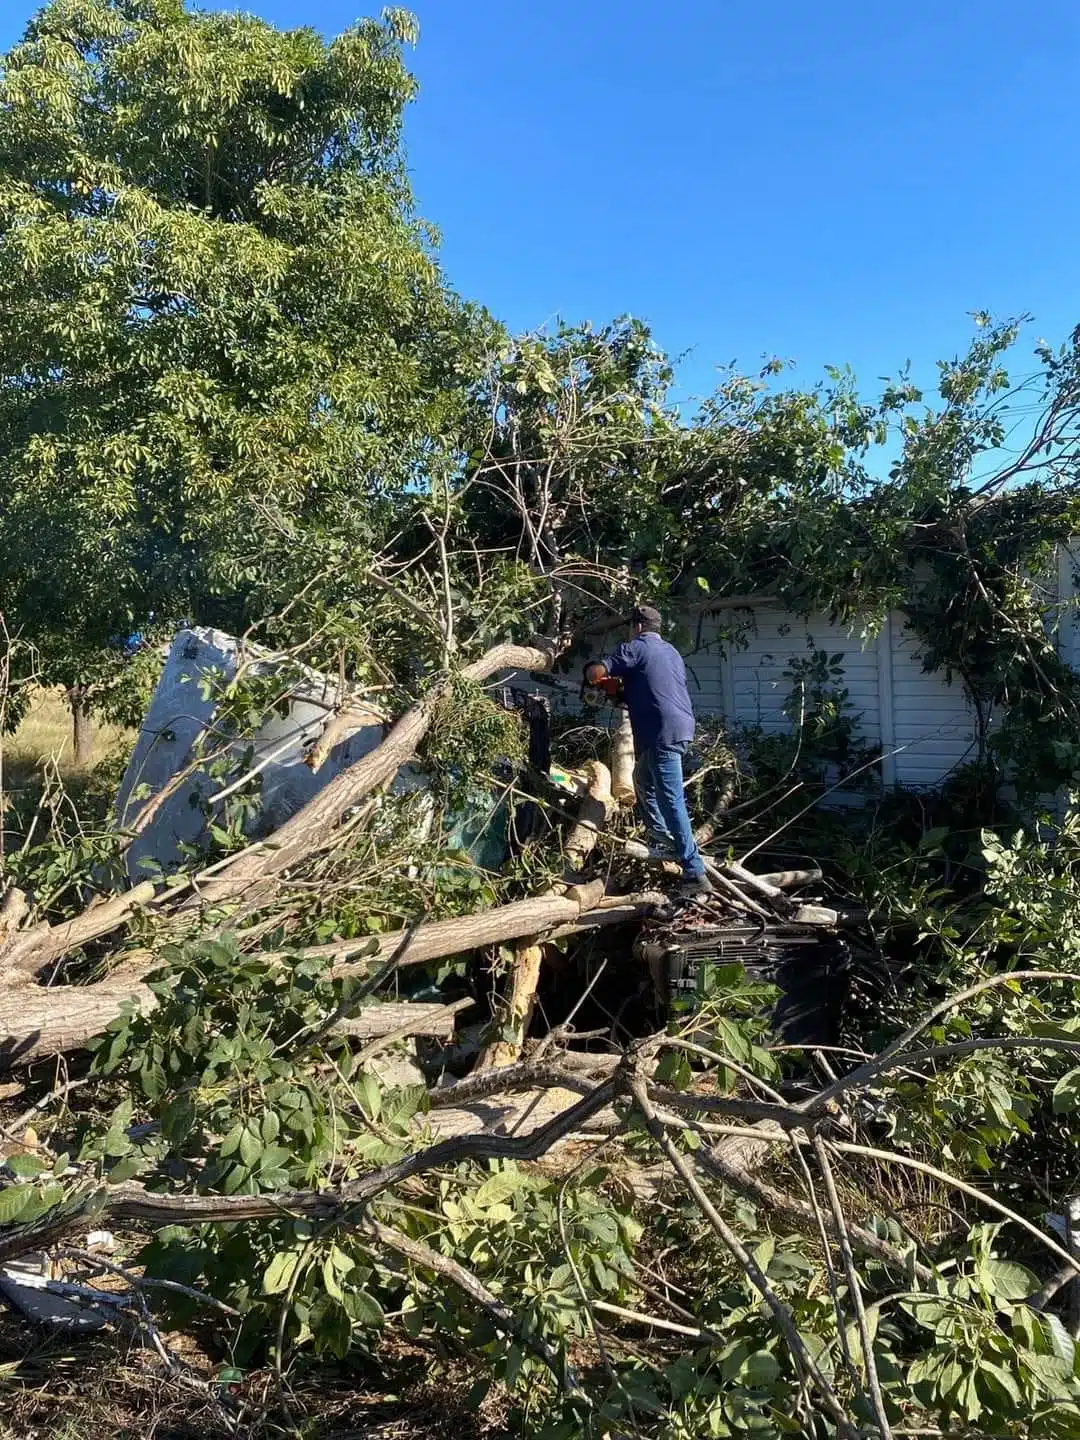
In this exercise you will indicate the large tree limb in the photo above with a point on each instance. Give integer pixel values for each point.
(36, 1021)
(39, 1020)
(794, 1211)
(253, 873)
(311, 824)
(518, 1008)
(593, 810)
(622, 759)
(29, 950)
(131, 1201)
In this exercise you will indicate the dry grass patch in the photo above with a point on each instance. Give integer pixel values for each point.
(45, 737)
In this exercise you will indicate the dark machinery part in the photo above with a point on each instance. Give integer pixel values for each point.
(535, 709)
(809, 965)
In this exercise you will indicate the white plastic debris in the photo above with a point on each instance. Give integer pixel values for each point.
(182, 709)
(26, 1282)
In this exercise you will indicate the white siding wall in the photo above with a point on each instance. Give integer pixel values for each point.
(933, 720)
(758, 688)
(924, 725)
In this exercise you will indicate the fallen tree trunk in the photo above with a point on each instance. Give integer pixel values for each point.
(38, 1020)
(617, 910)
(310, 825)
(467, 932)
(793, 879)
(29, 950)
(596, 805)
(398, 1019)
(524, 980)
(516, 1011)
(622, 760)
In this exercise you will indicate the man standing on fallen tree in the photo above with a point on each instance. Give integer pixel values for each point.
(654, 691)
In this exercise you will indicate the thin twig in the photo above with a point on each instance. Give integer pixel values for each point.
(872, 1067)
(146, 1282)
(419, 1254)
(854, 1289)
(683, 1166)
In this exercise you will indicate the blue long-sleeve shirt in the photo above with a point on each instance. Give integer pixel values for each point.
(654, 686)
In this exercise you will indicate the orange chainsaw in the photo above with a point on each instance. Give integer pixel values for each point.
(611, 688)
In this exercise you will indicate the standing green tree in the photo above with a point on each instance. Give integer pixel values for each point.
(224, 337)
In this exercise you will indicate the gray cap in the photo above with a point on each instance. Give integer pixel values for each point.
(646, 615)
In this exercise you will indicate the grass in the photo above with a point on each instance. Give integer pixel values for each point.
(45, 737)
(42, 748)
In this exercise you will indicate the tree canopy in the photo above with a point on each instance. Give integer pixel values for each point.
(224, 326)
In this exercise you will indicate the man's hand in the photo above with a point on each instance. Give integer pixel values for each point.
(597, 678)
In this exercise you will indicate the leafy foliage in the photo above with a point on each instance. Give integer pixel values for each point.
(225, 333)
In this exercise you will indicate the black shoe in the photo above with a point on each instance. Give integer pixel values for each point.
(696, 887)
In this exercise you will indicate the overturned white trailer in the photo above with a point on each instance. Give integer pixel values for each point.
(180, 723)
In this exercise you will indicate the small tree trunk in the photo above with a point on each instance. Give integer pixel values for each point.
(622, 760)
(82, 739)
(593, 811)
(517, 1010)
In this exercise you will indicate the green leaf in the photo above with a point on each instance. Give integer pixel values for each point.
(342, 1262)
(603, 1227)
(498, 1188)
(278, 1275)
(1001, 1380)
(250, 1147)
(761, 1370)
(232, 1141)
(330, 1280)
(1006, 1280)
(124, 1170)
(1067, 1092)
(1061, 1342)
(370, 1093)
(26, 1165)
(365, 1309)
(13, 1201)
(177, 1119)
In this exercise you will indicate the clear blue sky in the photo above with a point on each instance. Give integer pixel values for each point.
(834, 182)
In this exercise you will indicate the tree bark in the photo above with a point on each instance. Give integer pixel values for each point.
(398, 1019)
(593, 811)
(28, 950)
(622, 760)
(82, 738)
(469, 932)
(38, 1020)
(524, 980)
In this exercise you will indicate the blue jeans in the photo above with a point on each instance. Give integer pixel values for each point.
(661, 800)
